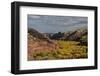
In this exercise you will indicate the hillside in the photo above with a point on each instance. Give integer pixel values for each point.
(72, 35)
(37, 43)
(61, 45)
(35, 34)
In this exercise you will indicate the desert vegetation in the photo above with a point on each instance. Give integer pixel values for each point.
(60, 45)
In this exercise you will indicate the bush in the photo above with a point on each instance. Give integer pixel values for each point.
(69, 50)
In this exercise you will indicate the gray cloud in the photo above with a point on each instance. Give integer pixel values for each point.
(46, 23)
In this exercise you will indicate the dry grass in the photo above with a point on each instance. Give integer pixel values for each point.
(66, 50)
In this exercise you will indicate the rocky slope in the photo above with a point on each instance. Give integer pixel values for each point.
(37, 42)
(42, 46)
(72, 35)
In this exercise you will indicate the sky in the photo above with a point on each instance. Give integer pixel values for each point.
(54, 24)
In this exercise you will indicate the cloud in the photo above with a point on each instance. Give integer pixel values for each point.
(33, 16)
(45, 23)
